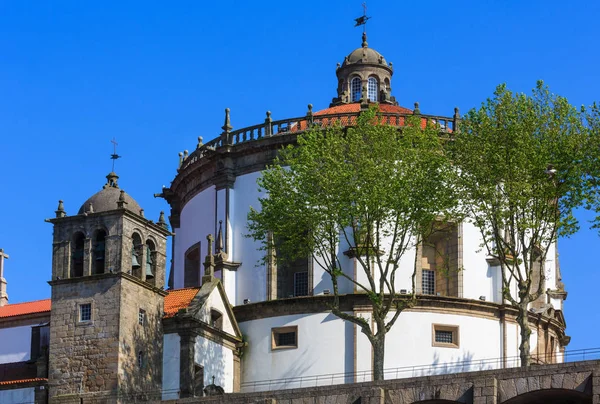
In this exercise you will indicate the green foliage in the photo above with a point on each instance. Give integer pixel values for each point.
(524, 164)
(370, 188)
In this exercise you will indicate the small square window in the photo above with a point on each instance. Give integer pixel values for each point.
(142, 317)
(140, 359)
(85, 312)
(284, 337)
(445, 336)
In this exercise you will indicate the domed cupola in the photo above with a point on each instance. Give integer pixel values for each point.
(110, 198)
(364, 76)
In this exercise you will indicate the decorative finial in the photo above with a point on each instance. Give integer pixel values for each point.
(180, 160)
(456, 112)
(210, 239)
(338, 65)
(365, 44)
(199, 142)
(114, 156)
(91, 207)
(185, 154)
(121, 202)
(142, 212)
(161, 220)
(227, 126)
(60, 211)
(209, 262)
(220, 238)
(416, 111)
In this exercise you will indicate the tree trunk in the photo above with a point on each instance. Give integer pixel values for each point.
(378, 343)
(524, 347)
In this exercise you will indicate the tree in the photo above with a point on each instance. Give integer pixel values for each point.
(371, 187)
(523, 167)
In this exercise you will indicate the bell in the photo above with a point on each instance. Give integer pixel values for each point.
(149, 274)
(134, 261)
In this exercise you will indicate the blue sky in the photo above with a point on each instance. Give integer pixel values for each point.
(156, 75)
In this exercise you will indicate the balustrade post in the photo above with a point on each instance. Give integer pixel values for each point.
(268, 127)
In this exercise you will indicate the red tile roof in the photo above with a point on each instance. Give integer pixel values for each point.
(175, 300)
(19, 309)
(355, 107)
(178, 299)
(11, 382)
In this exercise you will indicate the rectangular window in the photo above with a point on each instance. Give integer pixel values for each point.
(85, 312)
(445, 336)
(301, 284)
(142, 317)
(428, 282)
(284, 337)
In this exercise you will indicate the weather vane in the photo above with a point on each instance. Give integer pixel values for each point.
(114, 156)
(362, 20)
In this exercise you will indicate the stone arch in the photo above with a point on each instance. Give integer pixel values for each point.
(551, 396)
(150, 260)
(99, 250)
(541, 388)
(137, 246)
(77, 254)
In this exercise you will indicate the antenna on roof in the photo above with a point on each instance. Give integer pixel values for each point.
(362, 20)
(114, 156)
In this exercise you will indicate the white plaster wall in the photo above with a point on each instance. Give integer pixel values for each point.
(171, 363)
(251, 276)
(197, 221)
(512, 345)
(325, 346)
(18, 396)
(217, 361)
(15, 344)
(479, 278)
(214, 301)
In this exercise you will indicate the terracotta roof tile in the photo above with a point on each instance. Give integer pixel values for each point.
(355, 107)
(20, 309)
(178, 299)
(11, 382)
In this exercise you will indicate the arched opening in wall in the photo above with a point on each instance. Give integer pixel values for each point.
(216, 319)
(191, 270)
(372, 89)
(150, 266)
(136, 255)
(77, 256)
(356, 89)
(554, 396)
(440, 261)
(198, 380)
(99, 249)
(386, 85)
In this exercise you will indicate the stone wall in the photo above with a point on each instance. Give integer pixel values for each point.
(575, 382)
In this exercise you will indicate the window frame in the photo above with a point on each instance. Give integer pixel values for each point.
(353, 94)
(80, 307)
(424, 278)
(454, 329)
(142, 317)
(372, 85)
(275, 331)
(307, 283)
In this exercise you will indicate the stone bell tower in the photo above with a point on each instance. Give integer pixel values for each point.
(108, 276)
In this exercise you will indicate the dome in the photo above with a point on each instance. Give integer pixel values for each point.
(364, 54)
(108, 198)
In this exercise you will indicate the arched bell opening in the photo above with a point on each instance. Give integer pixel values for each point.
(99, 252)
(136, 256)
(150, 264)
(77, 255)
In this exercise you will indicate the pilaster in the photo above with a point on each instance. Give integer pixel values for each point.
(187, 350)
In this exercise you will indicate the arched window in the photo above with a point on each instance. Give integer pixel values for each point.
(99, 252)
(150, 265)
(77, 259)
(355, 89)
(136, 256)
(191, 273)
(372, 89)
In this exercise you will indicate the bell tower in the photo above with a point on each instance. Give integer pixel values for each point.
(108, 277)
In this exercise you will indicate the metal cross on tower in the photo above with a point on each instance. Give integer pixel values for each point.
(114, 156)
